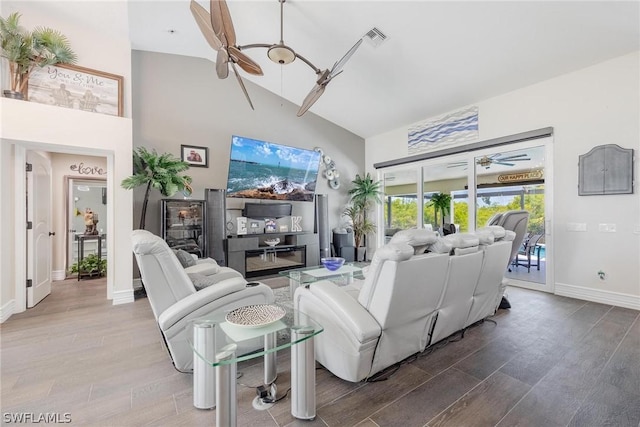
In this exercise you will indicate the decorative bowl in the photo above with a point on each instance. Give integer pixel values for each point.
(272, 242)
(333, 263)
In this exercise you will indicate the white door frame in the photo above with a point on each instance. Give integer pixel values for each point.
(20, 208)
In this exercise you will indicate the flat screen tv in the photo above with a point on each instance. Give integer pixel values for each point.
(264, 170)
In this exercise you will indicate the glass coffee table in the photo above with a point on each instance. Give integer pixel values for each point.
(342, 276)
(220, 342)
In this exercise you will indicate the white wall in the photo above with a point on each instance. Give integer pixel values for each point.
(54, 129)
(597, 105)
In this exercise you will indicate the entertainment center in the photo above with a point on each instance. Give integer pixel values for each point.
(251, 256)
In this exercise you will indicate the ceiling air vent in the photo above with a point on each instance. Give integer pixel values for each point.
(375, 37)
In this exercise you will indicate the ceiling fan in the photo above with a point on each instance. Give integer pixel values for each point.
(217, 28)
(494, 159)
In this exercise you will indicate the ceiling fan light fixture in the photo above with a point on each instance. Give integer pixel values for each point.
(281, 54)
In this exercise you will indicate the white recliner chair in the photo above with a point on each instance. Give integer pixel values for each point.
(389, 319)
(176, 302)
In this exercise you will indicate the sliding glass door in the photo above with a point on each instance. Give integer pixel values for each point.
(462, 192)
(508, 180)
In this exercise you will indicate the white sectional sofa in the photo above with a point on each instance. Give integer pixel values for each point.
(408, 300)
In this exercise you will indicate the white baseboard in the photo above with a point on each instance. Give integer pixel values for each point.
(123, 297)
(58, 275)
(7, 310)
(598, 295)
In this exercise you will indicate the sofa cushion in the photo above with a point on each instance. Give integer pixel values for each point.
(509, 235)
(498, 231)
(184, 257)
(462, 240)
(206, 269)
(440, 246)
(486, 237)
(418, 238)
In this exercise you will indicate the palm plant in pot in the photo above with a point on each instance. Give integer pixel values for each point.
(26, 50)
(365, 193)
(159, 171)
(441, 202)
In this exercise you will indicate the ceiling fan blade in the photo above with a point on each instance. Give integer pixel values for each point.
(241, 83)
(515, 156)
(337, 67)
(246, 63)
(222, 64)
(203, 19)
(311, 98)
(504, 163)
(221, 21)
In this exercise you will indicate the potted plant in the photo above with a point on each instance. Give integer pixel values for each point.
(91, 264)
(26, 50)
(441, 202)
(160, 171)
(365, 193)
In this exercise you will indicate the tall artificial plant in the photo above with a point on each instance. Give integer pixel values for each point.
(441, 202)
(364, 193)
(26, 50)
(159, 171)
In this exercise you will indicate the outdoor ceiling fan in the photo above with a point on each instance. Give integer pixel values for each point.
(494, 159)
(217, 27)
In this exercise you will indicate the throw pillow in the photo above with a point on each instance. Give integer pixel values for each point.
(184, 257)
(206, 269)
(200, 281)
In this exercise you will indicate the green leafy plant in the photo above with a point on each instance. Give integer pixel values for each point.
(441, 202)
(159, 171)
(26, 50)
(90, 264)
(365, 193)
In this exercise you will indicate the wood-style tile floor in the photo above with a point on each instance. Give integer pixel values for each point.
(549, 361)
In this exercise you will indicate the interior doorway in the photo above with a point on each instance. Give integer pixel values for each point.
(85, 194)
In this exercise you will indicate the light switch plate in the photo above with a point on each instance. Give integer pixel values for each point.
(576, 226)
(607, 228)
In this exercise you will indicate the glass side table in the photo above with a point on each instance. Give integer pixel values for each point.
(217, 343)
(342, 276)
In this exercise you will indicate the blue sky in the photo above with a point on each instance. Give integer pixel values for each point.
(251, 150)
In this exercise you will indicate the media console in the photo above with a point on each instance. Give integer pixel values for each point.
(251, 256)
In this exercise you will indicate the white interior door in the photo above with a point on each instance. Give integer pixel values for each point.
(38, 238)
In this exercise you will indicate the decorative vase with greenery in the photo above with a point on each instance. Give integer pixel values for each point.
(365, 193)
(441, 202)
(26, 50)
(90, 264)
(159, 171)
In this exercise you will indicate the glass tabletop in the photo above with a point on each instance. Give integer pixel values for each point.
(350, 270)
(236, 328)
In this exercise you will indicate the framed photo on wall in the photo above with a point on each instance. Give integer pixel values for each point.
(195, 156)
(75, 87)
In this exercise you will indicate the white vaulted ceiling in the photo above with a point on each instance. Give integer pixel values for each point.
(438, 56)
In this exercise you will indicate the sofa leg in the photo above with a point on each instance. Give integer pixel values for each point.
(504, 303)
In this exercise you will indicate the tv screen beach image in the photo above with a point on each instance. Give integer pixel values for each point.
(264, 170)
